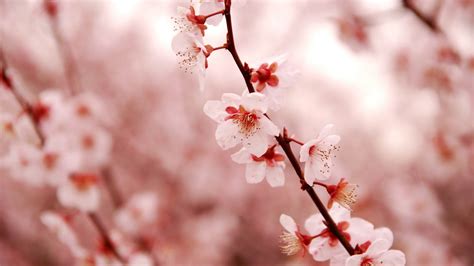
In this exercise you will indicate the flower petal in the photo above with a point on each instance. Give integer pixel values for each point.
(242, 156)
(257, 144)
(288, 223)
(215, 110)
(275, 176)
(227, 135)
(255, 172)
(392, 258)
(268, 126)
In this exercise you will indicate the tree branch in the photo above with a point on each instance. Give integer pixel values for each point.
(282, 139)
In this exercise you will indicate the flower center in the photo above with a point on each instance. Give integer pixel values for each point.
(270, 157)
(246, 120)
(324, 156)
(188, 57)
(83, 181)
(49, 160)
(264, 75)
(367, 262)
(333, 240)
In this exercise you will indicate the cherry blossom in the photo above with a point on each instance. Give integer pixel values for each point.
(80, 191)
(242, 120)
(190, 52)
(270, 165)
(293, 240)
(377, 234)
(317, 155)
(211, 7)
(352, 31)
(326, 245)
(378, 254)
(188, 21)
(140, 211)
(343, 193)
(22, 163)
(271, 78)
(59, 225)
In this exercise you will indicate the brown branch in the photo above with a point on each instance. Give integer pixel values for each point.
(111, 187)
(104, 235)
(282, 139)
(430, 22)
(24, 104)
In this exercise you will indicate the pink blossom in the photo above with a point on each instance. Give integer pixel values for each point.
(241, 120)
(189, 50)
(80, 191)
(326, 245)
(293, 240)
(317, 155)
(271, 78)
(270, 165)
(140, 211)
(378, 254)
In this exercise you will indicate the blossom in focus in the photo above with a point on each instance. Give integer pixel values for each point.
(317, 155)
(377, 234)
(80, 191)
(270, 165)
(140, 211)
(343, 193)
(378, 254)
(188, 21)
(271, 78)
(190, 51)
(326, 244)
(210, 7)
(241, 120)
(293, 240)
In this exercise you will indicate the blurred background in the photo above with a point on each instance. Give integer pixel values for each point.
(400, 95)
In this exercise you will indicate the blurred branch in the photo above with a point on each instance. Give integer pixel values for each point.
(25, 105)
(69, 63)
(283, 139)
(111, 187)
(104, 235)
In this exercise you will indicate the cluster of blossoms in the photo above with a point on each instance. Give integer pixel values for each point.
(61, 141)
(242, 119)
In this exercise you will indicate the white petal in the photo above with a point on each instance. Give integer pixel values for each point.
(227, 135)
(255, 172)
(318, 169)
(355, 260)
(242, 156)
(309, 175)
(84, 200)
(324, 251)
(339, 260)
(288, 223)
(231, 99)
(209, 8)
(257, 144)
(314, 224)
(254, 101)
(215, 110)
(383, 233)
(392, 258)
(181, 42)
(304, 150)
(339, 213)
(325, 131)
(329, 141)
(360, 230)
(377, 247)
(275, 176)
(268, 126)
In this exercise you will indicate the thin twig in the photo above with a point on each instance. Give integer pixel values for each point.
(284, 143)
(104, 235)
(430, 22)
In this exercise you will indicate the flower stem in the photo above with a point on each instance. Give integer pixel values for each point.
(320, 184)
(25, 105)
(283, 139)
(215, 13)
(104, 235)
